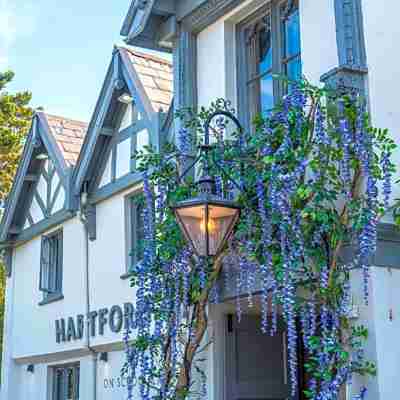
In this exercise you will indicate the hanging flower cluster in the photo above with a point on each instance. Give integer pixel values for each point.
(315, 179)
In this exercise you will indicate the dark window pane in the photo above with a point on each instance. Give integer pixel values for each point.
(70, 384)
(293, 69)
(139, 232)
(292, 34)
(267, 93)
(265, 47)
(58, 384)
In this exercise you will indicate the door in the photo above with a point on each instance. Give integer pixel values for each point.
(256, 362)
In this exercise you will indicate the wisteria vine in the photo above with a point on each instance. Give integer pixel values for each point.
(315, 179)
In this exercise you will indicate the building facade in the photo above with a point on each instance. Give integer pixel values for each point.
(72, 227)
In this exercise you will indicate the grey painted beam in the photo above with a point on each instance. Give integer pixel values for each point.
(185, 71)
(31, 178)
(30, 219)
(54, 199)
(14, 230)
(52, 147)
(8, 260)
(164, 7)
(350, 75)
(350, 33)
(18, 184)
(207, 13)
(119, 185)
(135, 86)
(106, 131)
(138, 14)
(95, 125)
(167, 32)
(56, 219)
(41, 204)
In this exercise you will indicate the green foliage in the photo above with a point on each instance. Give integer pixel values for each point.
(15, 117)
(326, 209)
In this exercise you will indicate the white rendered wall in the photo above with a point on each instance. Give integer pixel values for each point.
(34, 329)
(123, 158)
(107, 261)
(107, 264)
(382, 318)
(382, 35)
(318, 38)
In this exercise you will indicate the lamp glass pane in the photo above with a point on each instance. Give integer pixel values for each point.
(193, 223)
(220, 224)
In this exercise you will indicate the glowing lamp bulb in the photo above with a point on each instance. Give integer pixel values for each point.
(211, 225)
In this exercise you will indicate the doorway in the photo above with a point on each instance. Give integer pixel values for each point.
(256, 363)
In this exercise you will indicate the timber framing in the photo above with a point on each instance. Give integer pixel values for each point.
(40, 140)
(97, 147)
(104, 134)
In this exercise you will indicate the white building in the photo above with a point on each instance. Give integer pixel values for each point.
(70, 228)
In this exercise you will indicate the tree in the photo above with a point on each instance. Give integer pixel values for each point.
(310, 177)
(15, 118)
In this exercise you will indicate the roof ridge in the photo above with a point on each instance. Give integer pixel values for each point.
(147, 56)
(64, 118)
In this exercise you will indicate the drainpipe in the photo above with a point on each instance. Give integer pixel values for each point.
(88, 346)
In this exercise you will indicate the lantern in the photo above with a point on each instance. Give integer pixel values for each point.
(207, 223)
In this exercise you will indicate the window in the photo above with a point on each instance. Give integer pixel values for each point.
(66, 382)
(135, 229)
(269, 44)
(51, 266)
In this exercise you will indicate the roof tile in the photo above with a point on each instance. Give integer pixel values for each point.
(69, 135)
(156, 76)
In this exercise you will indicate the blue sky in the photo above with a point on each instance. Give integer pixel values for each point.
(60, 50)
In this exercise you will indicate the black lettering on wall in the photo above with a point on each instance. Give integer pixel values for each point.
(92, 319)
(71, 331)
(129, 315)
(115, 319)
(102, 320)
(80, 319)
(60, 330)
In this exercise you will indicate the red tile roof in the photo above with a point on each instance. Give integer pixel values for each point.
(69, 135)
(156, 76)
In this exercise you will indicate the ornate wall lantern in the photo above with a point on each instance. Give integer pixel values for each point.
(208, 221)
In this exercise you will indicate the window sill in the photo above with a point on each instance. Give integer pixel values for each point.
(126, 275)
(51, 299)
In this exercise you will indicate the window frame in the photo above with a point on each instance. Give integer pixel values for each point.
(130, 229)
(57, 294)
(247, 109)
(64, 367)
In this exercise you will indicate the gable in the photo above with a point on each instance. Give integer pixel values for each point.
(136, 91)
(49, 196)
(40, 192)
(130, 135)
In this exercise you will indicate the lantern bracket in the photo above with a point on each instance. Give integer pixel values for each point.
(206, 182)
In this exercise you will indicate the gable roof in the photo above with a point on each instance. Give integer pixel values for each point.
(156, 75)
(48, 134)
(148, 79)
(69, 135)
